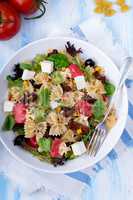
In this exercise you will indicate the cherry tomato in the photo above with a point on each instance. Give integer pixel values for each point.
(75, 71)
(32, 142)
(55, 148)
(19, 112)
(84, 108)
(25, 6)
(9, 21)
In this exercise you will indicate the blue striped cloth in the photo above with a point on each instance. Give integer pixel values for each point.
(113, 170)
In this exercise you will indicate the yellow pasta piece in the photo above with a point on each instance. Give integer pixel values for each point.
(125, 8)
(111, 120)
(109, 12)
(120, 2)
(98, 10)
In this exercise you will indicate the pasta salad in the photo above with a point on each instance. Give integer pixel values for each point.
(54, 103)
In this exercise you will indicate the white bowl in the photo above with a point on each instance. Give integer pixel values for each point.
(89, 51)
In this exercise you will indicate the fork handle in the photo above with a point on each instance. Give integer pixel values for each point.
(128, 63)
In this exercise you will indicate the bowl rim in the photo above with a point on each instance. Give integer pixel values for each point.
(104, 154)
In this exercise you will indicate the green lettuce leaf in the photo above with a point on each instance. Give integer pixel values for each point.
(109, 88)
(60, 60)
(99, 110)
(26, 66)
(8, 123)
(14, 83)
(57, 78)
(44, 144)
(44, 97)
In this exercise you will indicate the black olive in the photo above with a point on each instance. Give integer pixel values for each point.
(19, 140)
(90, 62)
(17, 71)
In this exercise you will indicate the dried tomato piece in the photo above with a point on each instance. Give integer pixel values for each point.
(100, 77)
(32, 142)
(75, 126)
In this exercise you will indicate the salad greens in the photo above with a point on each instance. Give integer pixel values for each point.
(53, 113)
(8, 123)
(109, 88)
(98, 109)
(60, 60)
(14, 83)
(27, 66)
(44, 144)
(57, 77)
(19, 129)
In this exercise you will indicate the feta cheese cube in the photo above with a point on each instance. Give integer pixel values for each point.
(27, 74)
(78, 148)
(54, 104)
(47, 66)
(80, 82)
(8, 106)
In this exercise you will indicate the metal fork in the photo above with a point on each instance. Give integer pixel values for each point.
(101, 132)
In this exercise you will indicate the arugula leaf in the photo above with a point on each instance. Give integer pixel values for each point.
(36, 62)
(99, 109)
(44, 97)
(60, 60)
(14, 83)
(8, 123)
(109, 88)
(77, 61)
(26, 66)
(44, 144)
(57, 78)
(39, 58)
(69, 155)
(19, 129)
(87, 137)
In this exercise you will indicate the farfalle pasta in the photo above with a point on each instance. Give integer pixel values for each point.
(54, 103)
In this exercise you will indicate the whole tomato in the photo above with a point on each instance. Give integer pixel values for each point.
(9, 21)
(28, 7)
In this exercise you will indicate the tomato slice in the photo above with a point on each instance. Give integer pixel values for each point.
(84, 108)
(32, 142)
(19, 112)
(55, 148)
(75, 71)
